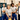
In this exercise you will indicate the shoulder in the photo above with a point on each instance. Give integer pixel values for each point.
(10, 9)
(15, 7)
(6, 9)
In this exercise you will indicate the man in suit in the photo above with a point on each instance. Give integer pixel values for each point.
(19, 10)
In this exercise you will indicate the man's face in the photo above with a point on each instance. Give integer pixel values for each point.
(19, 4)
(12, 5)
(8, 7)
(3, 5)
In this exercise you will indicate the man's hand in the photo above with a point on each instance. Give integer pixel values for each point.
(8, 16)
(3, 11)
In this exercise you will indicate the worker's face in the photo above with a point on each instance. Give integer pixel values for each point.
(8, 7)
(3, 5)
(12, 5)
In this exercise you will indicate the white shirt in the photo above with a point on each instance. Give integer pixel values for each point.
(9, 12)
(3, 9)
(13, 9)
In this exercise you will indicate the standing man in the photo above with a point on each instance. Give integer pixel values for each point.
(13, 8)
(3, 11)
(18, 10)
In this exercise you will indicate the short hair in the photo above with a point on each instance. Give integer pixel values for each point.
(19, 1)
(12, 3)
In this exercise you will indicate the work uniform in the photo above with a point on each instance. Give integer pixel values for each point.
(9, 13)
(13, 14)
(3, 14)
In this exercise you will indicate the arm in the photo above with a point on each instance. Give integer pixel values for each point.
(11, 14)
(7, 15)
(3, 11)
(15, 11)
